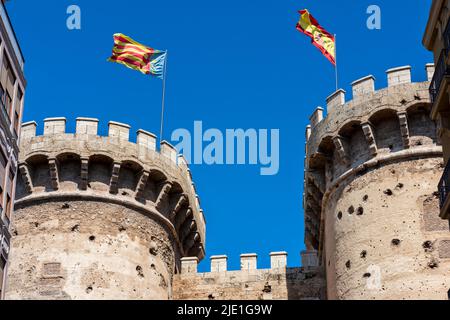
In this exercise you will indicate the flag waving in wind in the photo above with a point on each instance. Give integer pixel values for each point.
(323, 40)
(135, 55)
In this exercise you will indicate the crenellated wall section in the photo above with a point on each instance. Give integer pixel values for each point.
(250, 282)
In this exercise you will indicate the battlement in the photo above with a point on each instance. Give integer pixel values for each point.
(249, 262)
(114, 169)
(251, 283)
(375, 127)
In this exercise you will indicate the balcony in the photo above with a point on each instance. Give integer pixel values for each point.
(5, 238)
(444, 191)
(441, 78)
(442, 70)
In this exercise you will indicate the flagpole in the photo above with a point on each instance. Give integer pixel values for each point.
(163, 99)
(335, 61)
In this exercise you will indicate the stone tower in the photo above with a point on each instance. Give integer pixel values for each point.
(100, 217)
(371, 209)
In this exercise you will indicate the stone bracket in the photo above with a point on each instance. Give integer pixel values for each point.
(26, 177)
(84, 173)
(53, 167)
(187, 228)
(340, 149)
(141, 184)
(113, 184)
(163, 195)
(181, 201)
(370, 138)
(190, 241)
(404, 129)
(181, 218)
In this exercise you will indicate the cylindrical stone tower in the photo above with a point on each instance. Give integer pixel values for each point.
(100, 217)
(371, 207)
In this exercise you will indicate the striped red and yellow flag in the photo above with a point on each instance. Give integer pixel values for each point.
(320, 38)
(135, 55)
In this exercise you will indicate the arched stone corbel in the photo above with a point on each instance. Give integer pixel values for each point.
(370, 138)
(142, 184)
(340, 149)
(84, 173)
(53, 168)
(26, 177)
(404, 128)
(113, 184)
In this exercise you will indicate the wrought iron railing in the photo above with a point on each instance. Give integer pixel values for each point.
(5, 238)
(444, 186)
(442, 68)
(440, 72)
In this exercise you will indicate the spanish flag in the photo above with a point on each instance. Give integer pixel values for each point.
(323, 40)
(135, 55)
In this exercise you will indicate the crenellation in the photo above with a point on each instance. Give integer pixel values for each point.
(308, 131)
(169, 151)
(189, 265)
(119, 130)
(278, 260)
(399, 75)
(146, 140)
(249, 261)
(310, 259)
(335, 100)
(28, 130)
(363, 86)
(54, 126)
(86, 126)
(219, 263)
(316, 117)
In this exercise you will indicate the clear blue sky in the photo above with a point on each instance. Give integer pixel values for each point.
(233, 64)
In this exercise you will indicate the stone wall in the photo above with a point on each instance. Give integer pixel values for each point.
(249, 283)
(385, 237)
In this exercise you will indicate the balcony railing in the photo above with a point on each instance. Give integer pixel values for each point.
(5, 238)
(440, 72)
(444, 186)
(442, 68)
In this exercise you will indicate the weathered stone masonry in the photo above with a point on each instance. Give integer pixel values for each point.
(250, 283)
(371, 210)
(100, 217)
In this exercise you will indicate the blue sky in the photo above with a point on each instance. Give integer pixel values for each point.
(232, 64)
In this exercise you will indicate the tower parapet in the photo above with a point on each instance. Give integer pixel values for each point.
(250, 282)
(371, 169)
(92, 207)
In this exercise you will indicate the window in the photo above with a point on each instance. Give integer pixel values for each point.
(1, 200)
(11, 175)
(2, 271)
(17, 109)
(7, 82)
(8, 209)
